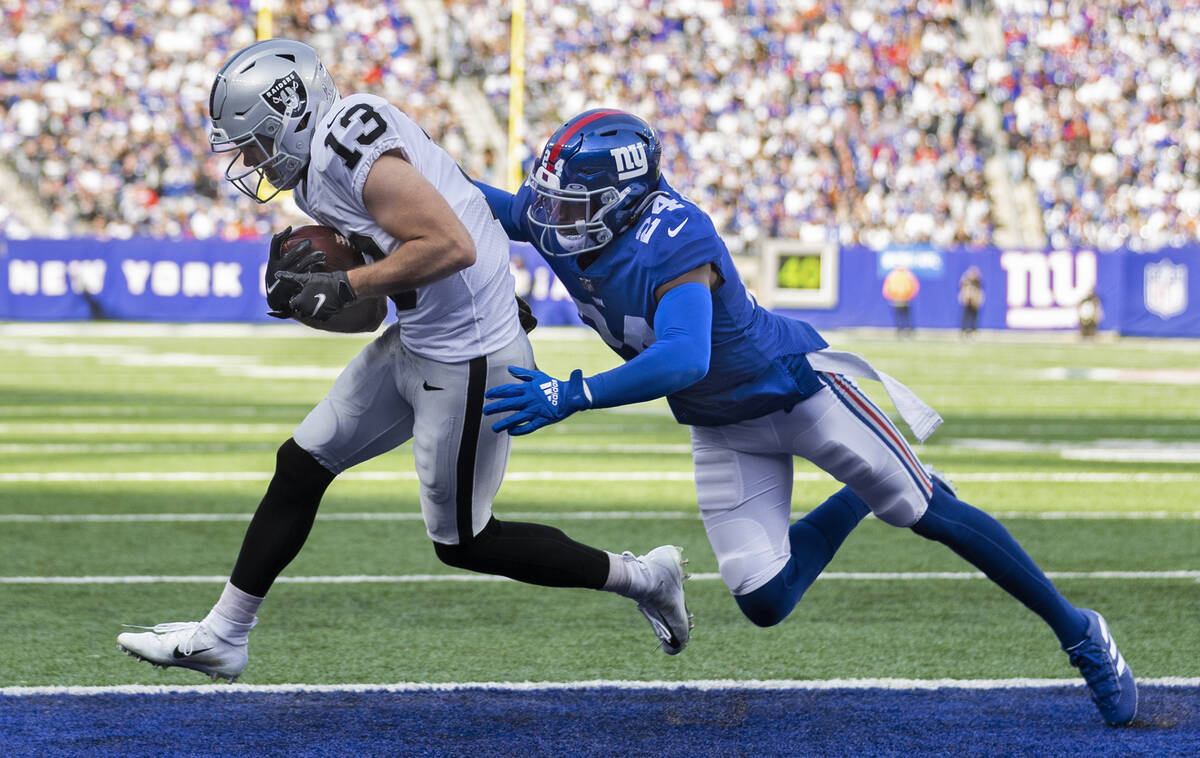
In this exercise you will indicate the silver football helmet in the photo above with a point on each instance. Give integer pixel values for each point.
(265, 104)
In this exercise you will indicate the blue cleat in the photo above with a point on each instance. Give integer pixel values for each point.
(1114, 690)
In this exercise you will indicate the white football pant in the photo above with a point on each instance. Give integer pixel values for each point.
(744, 475)
(387, 395)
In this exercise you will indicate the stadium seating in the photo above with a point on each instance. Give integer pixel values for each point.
(785, 118)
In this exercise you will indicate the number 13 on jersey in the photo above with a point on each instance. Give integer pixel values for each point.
(366, 115)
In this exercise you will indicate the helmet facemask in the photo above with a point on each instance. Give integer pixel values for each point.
(257, 165)
(570, 219)
(592, 180)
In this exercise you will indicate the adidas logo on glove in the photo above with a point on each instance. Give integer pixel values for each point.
(551, 390)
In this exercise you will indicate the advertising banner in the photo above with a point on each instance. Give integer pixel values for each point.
(137, 280)
(1162, 293)
(1154, 294)
(1022, 289)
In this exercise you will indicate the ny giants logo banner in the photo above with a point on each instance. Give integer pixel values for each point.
(1044, 289)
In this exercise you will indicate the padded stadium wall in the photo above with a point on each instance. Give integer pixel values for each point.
(1145, 294)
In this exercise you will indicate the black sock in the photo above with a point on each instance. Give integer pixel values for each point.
(530, 553)
(283, 519)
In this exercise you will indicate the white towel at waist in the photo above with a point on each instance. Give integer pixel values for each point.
(922, 419)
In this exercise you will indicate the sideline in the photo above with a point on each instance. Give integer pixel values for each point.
(573, 476)
(701, 577)
(605, 684)
(184, 518)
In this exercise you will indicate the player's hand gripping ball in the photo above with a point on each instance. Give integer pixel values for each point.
(321, 295)
(307, 250)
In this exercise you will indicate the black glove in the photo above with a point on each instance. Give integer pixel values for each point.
(319, 295)
(525, 315)
(301, 259)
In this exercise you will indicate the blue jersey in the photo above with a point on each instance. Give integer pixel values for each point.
(758, 364)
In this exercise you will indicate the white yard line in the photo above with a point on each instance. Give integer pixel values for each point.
(127, 330)
(124, 518)
(1095, 515)
(605, 684)
(139, 357)
(69, 518)
(1183, 454)
(904, 576)
(1074, 476)
(84, 448)
(27, 428)
(1127, 451)
(166, 426)
(130, 410)
(76, 448)
(576, 476)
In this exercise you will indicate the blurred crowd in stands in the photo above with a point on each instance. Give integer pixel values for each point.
(103, 105)
(790, 119)
(1100, 107)
(863, 123)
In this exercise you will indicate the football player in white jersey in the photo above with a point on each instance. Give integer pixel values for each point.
(361, 166)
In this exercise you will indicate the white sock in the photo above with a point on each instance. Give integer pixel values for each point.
(233, 616)
(626, 577)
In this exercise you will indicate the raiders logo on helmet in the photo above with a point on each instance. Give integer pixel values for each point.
(287, 96)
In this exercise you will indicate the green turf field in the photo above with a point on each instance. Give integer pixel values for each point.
(1090, 453)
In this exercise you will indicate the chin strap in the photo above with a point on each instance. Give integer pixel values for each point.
(641, 208)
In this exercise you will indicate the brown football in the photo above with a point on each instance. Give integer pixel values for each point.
(340, 255)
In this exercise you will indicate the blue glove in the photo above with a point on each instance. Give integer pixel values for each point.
(537, 400)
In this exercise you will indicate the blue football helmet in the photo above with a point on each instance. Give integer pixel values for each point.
(592, 180)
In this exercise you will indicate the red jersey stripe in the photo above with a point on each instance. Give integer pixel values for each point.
(868, 408)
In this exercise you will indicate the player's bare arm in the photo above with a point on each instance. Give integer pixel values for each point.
(433, 241)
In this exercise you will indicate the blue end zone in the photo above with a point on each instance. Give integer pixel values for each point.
(485, 723)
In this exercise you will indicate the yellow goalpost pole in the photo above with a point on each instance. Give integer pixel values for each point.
(516, 94)
(265, 30)
(265, 21)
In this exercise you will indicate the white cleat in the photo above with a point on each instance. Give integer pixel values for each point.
(941, 479)
(189, 644)
(663, 605)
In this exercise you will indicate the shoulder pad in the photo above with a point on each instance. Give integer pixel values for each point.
(355, 126)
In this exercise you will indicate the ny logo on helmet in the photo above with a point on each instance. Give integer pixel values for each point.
(287, 96)
(631, 160)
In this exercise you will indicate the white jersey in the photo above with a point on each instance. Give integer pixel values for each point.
(467, 314)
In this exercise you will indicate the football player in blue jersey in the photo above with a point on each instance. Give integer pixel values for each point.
(648, 272)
